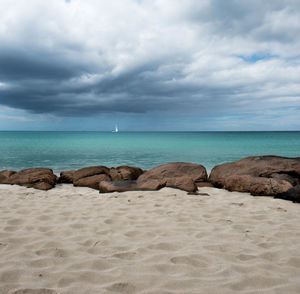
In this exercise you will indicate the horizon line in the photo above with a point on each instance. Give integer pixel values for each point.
(167, 131)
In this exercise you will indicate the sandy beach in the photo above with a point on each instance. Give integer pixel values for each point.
(75, 240)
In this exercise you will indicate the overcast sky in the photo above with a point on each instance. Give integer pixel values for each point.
(150, 65)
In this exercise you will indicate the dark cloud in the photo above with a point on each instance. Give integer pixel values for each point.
(215, 60)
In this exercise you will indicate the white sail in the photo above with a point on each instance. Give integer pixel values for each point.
(116, 129)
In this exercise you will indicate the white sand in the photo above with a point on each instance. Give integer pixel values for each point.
(75, 240)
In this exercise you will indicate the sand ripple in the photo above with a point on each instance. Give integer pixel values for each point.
(73, 240)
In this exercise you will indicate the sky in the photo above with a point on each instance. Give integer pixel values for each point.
(153, 65)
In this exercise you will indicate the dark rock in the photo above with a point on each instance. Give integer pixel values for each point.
(184, 183)
(204, 184)
(66, 177)
(38, 178)
(292, 194)
(125, 173)
(176, 169)
(198, 193)
(92, 181)
(5, 175)
(123, 186)
(260, 175)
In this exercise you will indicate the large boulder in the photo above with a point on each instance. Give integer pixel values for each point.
(123, 186)
(125, 173)
(260, 175)
(180, 175)
(66, 177)
(196, 172)
(38, 178)
(5, 175)
(91, 176)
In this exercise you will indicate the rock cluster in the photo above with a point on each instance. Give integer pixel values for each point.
(92, 176)
(179, 175)
(259, 175)
(38, 178)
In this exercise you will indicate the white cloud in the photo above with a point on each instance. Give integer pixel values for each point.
(190, 52)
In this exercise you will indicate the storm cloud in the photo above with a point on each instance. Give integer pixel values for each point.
(233, 61)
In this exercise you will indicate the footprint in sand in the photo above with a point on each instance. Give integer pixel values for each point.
(126, 288)
(164, 246)
(125, 255)
(15, 222)
(55, 252)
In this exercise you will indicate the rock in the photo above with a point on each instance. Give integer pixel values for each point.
(125, 173)
(151, 185)
(123, 186)
(5, 175)
(184, 183)
(38, 178)
(176, 169)
(92, 181)
(198, 193)
(260, 175)
(91, 176)
(180, 175)
(90, 171)
(292, 194)
(257, 186)
(204, 184)
(66, 177)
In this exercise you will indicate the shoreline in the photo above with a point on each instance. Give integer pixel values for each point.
(75, 240)
(265, 175)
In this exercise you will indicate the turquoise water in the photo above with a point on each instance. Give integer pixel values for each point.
(73, 150)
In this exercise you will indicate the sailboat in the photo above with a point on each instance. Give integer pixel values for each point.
(116, 129)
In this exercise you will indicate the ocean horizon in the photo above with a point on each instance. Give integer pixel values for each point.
(65, 150)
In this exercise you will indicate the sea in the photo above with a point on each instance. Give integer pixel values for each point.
(73, 150)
